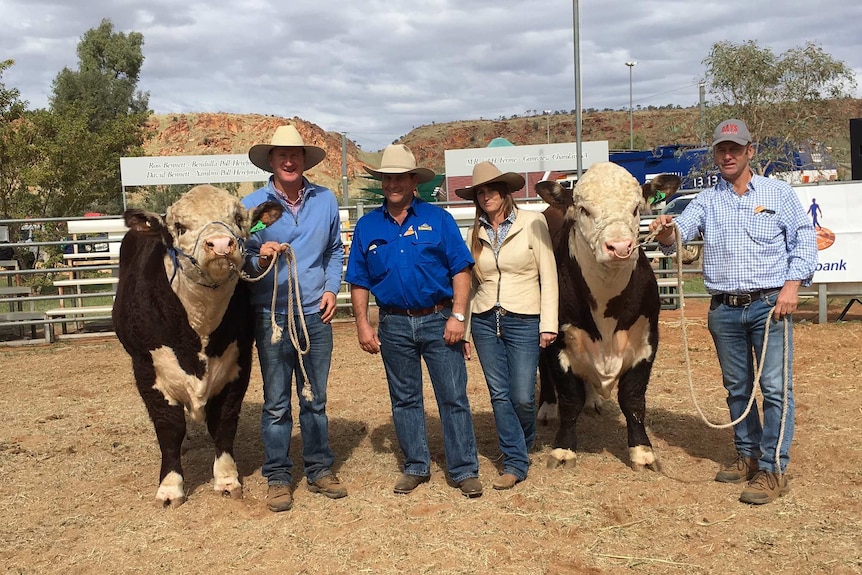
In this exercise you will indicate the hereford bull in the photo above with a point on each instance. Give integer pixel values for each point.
(186, 322)
(609, 307)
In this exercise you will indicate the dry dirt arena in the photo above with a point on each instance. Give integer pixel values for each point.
(79, 465)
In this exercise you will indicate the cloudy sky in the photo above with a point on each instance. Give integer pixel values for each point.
(376, 69)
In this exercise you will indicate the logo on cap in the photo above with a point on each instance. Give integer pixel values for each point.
(730, 129)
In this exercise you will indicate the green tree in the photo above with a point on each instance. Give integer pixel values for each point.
(785, 100)
(95, 118)
(15, 151)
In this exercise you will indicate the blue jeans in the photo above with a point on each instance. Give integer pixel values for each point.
(510, 363)
(404, 341)
(738, 334)
(279, 363)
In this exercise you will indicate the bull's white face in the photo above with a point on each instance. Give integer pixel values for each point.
(209, 224)
(606, 210)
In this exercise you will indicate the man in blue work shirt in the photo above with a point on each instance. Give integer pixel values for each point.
(412, 257)
(759, 247)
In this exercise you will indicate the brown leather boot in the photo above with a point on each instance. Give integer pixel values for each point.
(765, 487)
(279, 498)
(742, 469)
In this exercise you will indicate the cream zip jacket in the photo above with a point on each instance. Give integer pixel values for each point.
(524, 273)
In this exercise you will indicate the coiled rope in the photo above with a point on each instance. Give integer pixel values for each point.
(293, 296)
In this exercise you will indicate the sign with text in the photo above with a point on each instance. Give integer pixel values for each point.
(834, 210)
(161, 170)
(521, 159)
(535, 162)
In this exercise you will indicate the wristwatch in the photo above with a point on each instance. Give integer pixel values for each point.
(458, 316)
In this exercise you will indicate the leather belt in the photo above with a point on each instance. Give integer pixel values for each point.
(419, 312)
(742, 299)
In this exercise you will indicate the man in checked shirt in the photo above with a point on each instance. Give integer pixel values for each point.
(759, 247)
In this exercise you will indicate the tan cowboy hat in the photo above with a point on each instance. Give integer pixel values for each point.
(398, 159)
(285, 137)
(486, 173)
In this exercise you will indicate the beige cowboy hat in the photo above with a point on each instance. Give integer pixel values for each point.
(398, 159)
(486, 173)
(285, 137)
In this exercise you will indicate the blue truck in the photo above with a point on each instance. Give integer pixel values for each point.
(695, 167)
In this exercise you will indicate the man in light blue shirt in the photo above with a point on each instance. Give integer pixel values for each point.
(311, 227)
(759, 247)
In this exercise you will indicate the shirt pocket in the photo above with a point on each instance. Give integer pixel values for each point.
(376, 258)
(763, 228)
(428, 247)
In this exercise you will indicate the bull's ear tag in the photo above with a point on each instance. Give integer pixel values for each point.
(257, 227)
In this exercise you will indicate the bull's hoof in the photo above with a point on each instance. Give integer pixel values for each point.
(170, 503)
(233, 493)
(565, 458)
(643, 457)
(171, 492)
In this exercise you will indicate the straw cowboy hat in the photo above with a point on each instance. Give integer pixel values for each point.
(486, 173)
(398, 159)
(285, 136)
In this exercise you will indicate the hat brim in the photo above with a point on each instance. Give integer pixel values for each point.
(424, 175)
(735, 140)
(259, 155)
(513, 181)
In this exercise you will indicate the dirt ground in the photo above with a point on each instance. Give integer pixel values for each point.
(79, 465)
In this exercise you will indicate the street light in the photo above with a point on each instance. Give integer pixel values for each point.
(548, 118)
(631, 109)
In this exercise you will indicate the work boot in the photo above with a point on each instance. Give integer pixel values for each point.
(471, 487)
(505, 481)
(328, 485)
(766, 487)
(742, 469)
(407, 483)
(279, 498)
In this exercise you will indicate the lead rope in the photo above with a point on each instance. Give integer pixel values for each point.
(292, 296)
(759, 371)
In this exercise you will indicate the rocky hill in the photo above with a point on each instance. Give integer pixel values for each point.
(193, 134)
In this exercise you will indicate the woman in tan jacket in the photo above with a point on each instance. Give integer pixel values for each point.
(513, 308)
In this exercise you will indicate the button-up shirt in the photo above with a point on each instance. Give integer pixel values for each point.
(754, 241)
(408, 265)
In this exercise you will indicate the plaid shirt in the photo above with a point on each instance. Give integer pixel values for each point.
(498, 238)
(752, 242)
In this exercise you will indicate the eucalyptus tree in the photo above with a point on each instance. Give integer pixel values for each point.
(802, 96)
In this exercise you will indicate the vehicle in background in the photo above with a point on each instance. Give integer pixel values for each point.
(805, 163)
(690, 252)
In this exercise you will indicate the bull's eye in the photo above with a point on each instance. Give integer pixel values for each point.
(179, 229)
(583, 212)
(239, 220)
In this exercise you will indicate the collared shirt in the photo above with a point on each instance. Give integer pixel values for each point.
(314, 234)
(292, 206)
(411, 265)
(751, 242)
(503, 228)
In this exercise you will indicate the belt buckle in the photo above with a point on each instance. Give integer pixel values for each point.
(409, 313)
(739, 300)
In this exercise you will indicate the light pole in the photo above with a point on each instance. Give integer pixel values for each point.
(548, 118)
(631, 109)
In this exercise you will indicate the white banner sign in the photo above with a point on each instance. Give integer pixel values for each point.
(522, 159)
(152, 171)
(835, 210)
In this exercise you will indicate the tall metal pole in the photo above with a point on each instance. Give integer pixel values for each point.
(344, 168)
(577, 41)
(548, 119)
(702, 90)
(631, 109)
